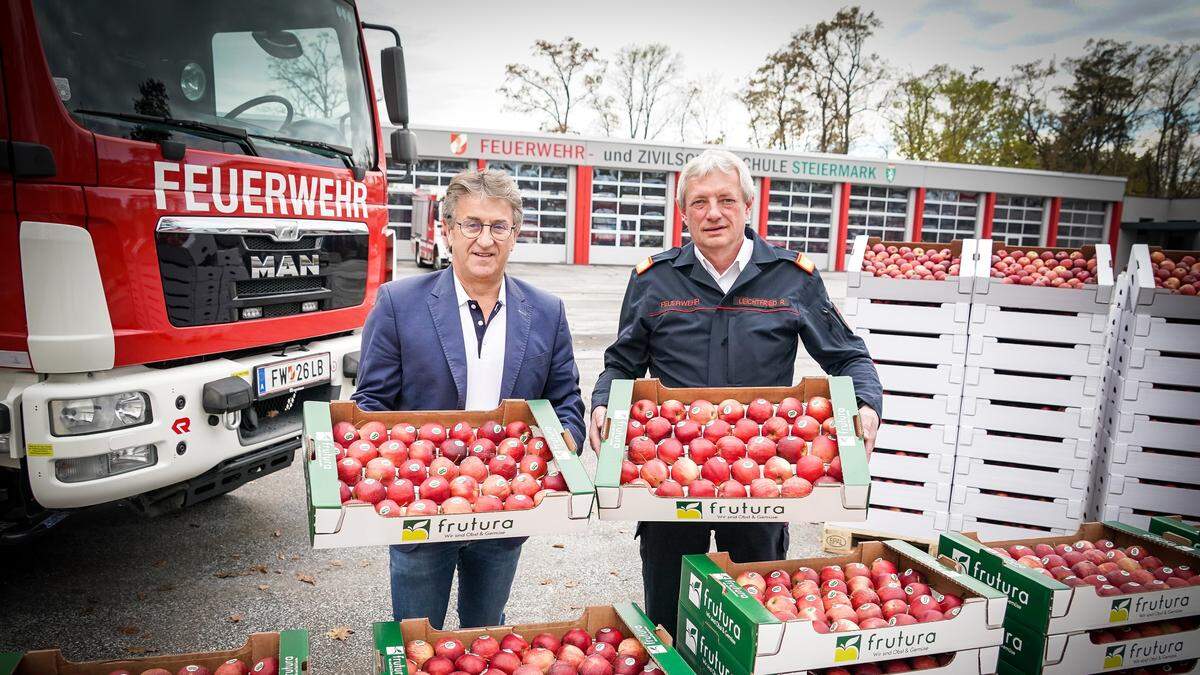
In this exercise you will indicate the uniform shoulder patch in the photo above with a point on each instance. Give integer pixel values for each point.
(803, 262)
(645, 265)
(669, 254)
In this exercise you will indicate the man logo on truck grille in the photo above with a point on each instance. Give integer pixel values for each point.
(688, 510)
(1120, 610)
(1114, 657)
(695, 590)
(846, 648)
(415, 530)
(691, 636)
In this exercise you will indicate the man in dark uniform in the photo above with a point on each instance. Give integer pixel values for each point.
(725, 310)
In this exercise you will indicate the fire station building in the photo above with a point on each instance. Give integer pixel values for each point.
(605, 201)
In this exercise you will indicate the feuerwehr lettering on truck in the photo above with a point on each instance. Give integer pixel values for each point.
(252, 191)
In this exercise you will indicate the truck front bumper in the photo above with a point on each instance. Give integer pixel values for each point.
(191, 445)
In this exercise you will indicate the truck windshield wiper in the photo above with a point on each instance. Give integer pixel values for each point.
(347, 154)
(237, 133)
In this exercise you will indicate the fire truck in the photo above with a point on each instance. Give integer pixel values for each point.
(192, 213)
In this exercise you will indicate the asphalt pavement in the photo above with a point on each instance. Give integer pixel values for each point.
(109, 583)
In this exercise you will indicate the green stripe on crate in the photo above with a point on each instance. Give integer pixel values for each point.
(612, 451)
(389, 648)
(643, 629)
(568, 462)
(293, 652)
(853, 453)
(9, 662)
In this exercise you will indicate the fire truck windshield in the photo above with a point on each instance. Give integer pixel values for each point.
(286, 73)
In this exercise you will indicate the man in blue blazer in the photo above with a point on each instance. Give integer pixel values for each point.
(464, 339)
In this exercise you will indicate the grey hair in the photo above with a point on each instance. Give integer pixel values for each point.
(486, 183)
(715, 160)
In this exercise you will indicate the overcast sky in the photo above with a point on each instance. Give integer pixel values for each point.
(456, 51)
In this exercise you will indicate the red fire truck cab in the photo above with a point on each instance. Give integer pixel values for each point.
(192, 206)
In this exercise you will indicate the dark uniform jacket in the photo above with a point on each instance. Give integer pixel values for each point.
(676, 323)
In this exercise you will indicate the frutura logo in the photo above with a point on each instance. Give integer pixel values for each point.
(719, 509)
(1018, 596)
(472, 526)
(415, 530)
(846, 648)
(688, 510)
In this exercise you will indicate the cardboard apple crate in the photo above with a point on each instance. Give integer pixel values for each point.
(946, 380)
(334, 525)
(1131, 460)
(1153, 432)
(894, 522)
(1135, 517)
(846, 501)
(945, 318)
(912, 466)
(1058, 390)
(996, 529)
(984, 351)
(1028, 651)
(915, 348)
(1176, 529)
(1138, 364)
(911, 495)
(1145, 495)
(390, 637)
(289, 646)
(748, 638)
(1148, 300)
(1060, 453)
(999, 415)
(953, 289)
(1044, 604)
(1014, 323)
(1027, 478)
(1036, 510)
(932, 409)
(1145, 397)
(1162, 333)
(1091, 299)
(931, 439)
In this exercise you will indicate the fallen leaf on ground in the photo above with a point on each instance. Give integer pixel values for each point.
(129, 630)
(571, 584)
(140, 650)
(263, 587)
(261, 569)
(306, 578)
(560, 545)
(547, 582)
(236, 618)
(339, 633)
(277, 534)
(364, 563)
(336, 563)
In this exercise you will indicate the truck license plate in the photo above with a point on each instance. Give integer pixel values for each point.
(296, 373)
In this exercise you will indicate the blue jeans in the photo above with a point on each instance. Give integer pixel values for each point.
(421, 576)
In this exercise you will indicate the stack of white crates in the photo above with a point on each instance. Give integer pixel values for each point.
(1032, 394)
(916, 331)
(1150, 436)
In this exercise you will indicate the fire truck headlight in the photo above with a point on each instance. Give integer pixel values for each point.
(78, 416)
(124, 460)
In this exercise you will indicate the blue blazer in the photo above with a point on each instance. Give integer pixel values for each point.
(414, 358)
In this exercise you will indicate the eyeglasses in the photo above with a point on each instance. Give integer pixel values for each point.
(501, 229)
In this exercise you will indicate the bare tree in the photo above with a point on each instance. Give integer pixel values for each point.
(1175, 97)
(703, 110)
(631, 102)
(1031, 91)
(315, 80)
(854, 75)
(774, 97)
(571, 71)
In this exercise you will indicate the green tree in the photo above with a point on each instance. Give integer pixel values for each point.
(1171, 163)
(775, 95)
(566, 75)
(852, 76)
(912, 111)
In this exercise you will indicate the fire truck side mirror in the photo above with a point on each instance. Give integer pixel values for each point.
(395, 85)
(404, 147)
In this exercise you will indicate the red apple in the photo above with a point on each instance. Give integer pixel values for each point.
(423, 451)
(457, 505)
(819, 408)
(731, 448)
(825, 448)
(482, 449)
(745, 429)
(642, 410)
(578, 638)
(716, 469)
(672, 410)
(345, 433)
(810, 468)
(669, 488)
(763, 488)
(503, 465)
(731, 489)
(485, 646)
(687, 430)
(760, 449)
(349, 470)
(701, 449)
(669, 450)
(642, 449)
(395, 451)
(629, 471)
(493, 431)
(702, 411)
(777, 469)
(684, 471)
(556, 482)
(702, 488)
(518, 503)
(790, 409)
(403, 432)
(658, 428)
(745, 470)
(730, 410)
(443, 468)
(432, 432)
(654, 472)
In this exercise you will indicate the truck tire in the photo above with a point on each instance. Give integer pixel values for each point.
(438, 263)
(417, 255)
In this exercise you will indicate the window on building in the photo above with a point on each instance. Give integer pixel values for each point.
(436, 172)
(629, 208)
(543, 198)
(401, 185)
(1017, 220)
(1080, 222)
(799, 215)
(949, 215)
(876, 212)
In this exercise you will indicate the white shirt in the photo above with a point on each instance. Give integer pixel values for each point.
(485, 367)
(726, 280)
